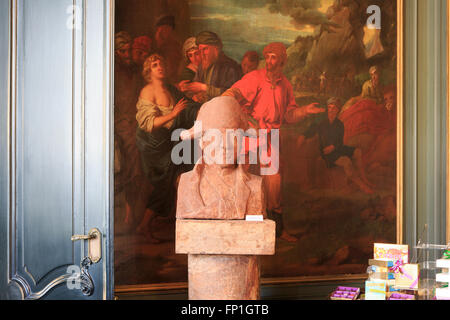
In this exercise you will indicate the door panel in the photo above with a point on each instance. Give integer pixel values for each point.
(99, 130)
(4, 145)
(43, 143)
(57, 172)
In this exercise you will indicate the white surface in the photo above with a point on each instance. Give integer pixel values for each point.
(254, 218)
(443, 263)
(443, 277)
(443, 293)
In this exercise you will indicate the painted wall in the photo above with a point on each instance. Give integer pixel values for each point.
(425, 120)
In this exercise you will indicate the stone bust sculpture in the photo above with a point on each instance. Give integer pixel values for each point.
(219, 188)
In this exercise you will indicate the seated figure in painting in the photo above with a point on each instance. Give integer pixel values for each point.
(333, 150)
(372, 90)
(219, 187)
(161, 109)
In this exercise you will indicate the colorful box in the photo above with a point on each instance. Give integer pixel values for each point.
(391, 252)
(381, 263)
(382, 276)
(407, 277)
(391, 286)
(372, 269)
(380, 269)
(376, 290)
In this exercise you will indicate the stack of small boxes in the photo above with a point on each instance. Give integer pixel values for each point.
(386, 273)
(443, 292)
(381, 280)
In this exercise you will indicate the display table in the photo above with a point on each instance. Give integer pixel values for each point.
(223, 256)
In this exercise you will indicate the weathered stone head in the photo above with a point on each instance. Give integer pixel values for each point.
(220, 127)
(219, 187)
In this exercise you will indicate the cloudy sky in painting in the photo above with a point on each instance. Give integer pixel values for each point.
(251, 24)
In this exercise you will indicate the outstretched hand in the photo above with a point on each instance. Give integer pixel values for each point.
(314, 109)
(182, 85)
(194, 87)
(181, 105)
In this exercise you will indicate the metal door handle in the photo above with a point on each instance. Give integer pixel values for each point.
(95, 244)
(80, 237)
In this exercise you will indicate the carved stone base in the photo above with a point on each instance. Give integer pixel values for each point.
(223, 262)
(229, 237)
(216, 277)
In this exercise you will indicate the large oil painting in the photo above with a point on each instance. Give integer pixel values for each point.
(337, 189)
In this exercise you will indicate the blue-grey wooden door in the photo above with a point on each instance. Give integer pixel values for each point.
(55, 146)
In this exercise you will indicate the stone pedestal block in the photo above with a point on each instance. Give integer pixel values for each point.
(223, 262)
(221, 277)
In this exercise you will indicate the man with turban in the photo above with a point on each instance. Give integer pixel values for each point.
(140, 50)
(268, 98)
(192, 60)
(129, 177)
(216, 73)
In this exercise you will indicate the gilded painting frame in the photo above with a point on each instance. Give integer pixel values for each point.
(181, 286)
(447, 215)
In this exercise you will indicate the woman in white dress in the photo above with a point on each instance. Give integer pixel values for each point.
(161, 109)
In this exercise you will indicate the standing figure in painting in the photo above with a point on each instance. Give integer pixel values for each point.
(129, 178)
(168, 46)
(161, 110)
(192, 58)
(266, 95)
(216, 73)
(333, 150)
(141, 50)
(250, 62)
(323, 83)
